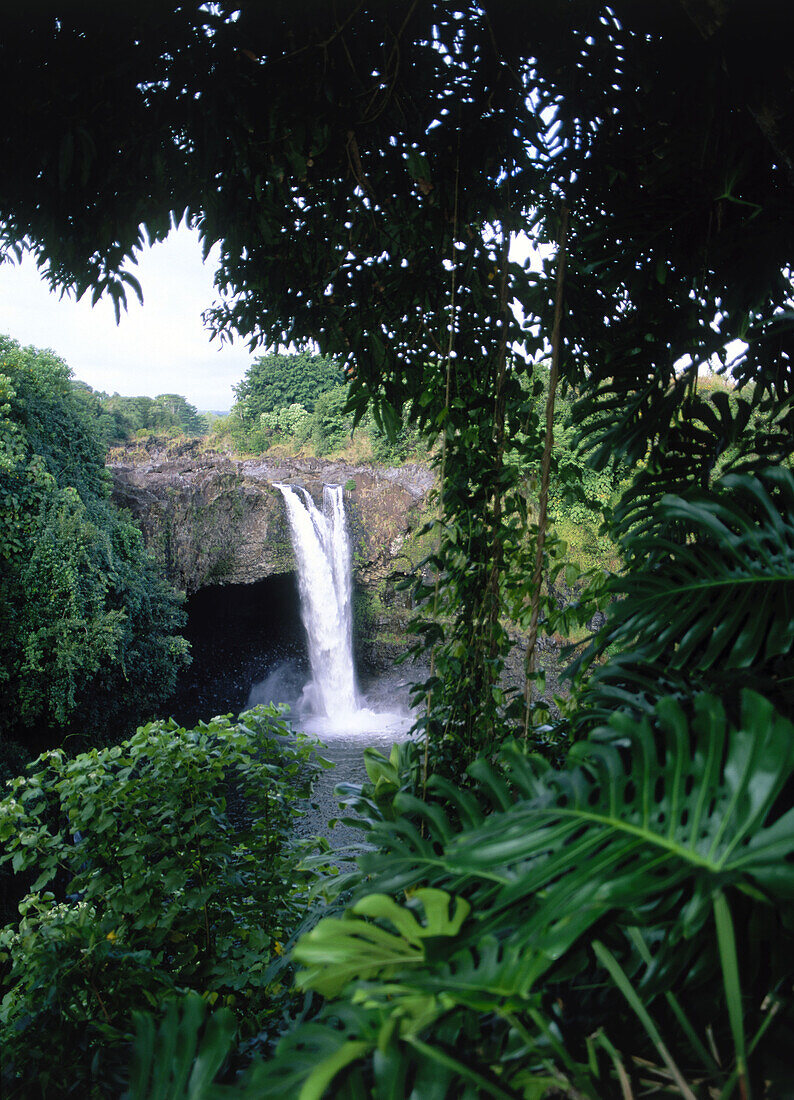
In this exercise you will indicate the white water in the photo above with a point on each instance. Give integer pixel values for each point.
(323, 555)
(330, 702)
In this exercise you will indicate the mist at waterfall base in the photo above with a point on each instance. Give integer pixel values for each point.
(330, 703)
(383, 714)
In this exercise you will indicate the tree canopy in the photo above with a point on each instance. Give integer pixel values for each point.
(275, 380)
(351, 157)
(363, 165)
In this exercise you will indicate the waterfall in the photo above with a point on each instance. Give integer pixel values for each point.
(322, 550)
(330, 704)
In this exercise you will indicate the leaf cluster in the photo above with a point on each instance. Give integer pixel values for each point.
(89, 629)
(510, 949)
(164, 864)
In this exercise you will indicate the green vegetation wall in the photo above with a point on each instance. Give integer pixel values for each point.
(88, 628)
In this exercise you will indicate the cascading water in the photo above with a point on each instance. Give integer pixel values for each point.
(322, 550)
(330, 703)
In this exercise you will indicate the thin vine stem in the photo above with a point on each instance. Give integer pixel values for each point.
(497, 560)
(537, 576)
(447, 401)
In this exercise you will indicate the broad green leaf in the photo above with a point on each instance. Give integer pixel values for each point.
(321, 1077)
(721, 594)
(178, 1062)
(687, 807)
(337, 951)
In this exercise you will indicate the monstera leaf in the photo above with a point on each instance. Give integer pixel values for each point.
(625, 826)
(337, 951)
(713, 594)
(657, 825)
(645, 836)
(723, 593)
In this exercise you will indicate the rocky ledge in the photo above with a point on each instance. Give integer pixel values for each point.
(210, 519)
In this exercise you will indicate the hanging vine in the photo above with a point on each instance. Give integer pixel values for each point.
(537, 576)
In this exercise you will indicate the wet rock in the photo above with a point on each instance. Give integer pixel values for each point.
(212, 520)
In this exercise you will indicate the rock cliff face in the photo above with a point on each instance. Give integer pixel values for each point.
(212, 520)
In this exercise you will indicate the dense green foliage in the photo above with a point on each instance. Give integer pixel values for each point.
(620, 924)
(493, 939)
(281, 379)
(165, 864)
(119, 419)
(88, 628)
(615, 928)
(301, 401)
(298, 397)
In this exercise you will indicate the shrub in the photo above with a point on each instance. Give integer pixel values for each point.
(169, 865)
(293, 420)
(331, 426)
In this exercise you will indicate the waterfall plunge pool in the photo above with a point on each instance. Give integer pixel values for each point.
(249, 646)
(281, 641)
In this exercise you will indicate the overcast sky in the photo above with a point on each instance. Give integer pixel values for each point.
(160, 347)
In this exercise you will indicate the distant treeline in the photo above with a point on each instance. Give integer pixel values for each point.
(300, 399)
(295, 399)
(119, 419)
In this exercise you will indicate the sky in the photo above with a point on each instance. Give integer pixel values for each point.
(160, 347)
